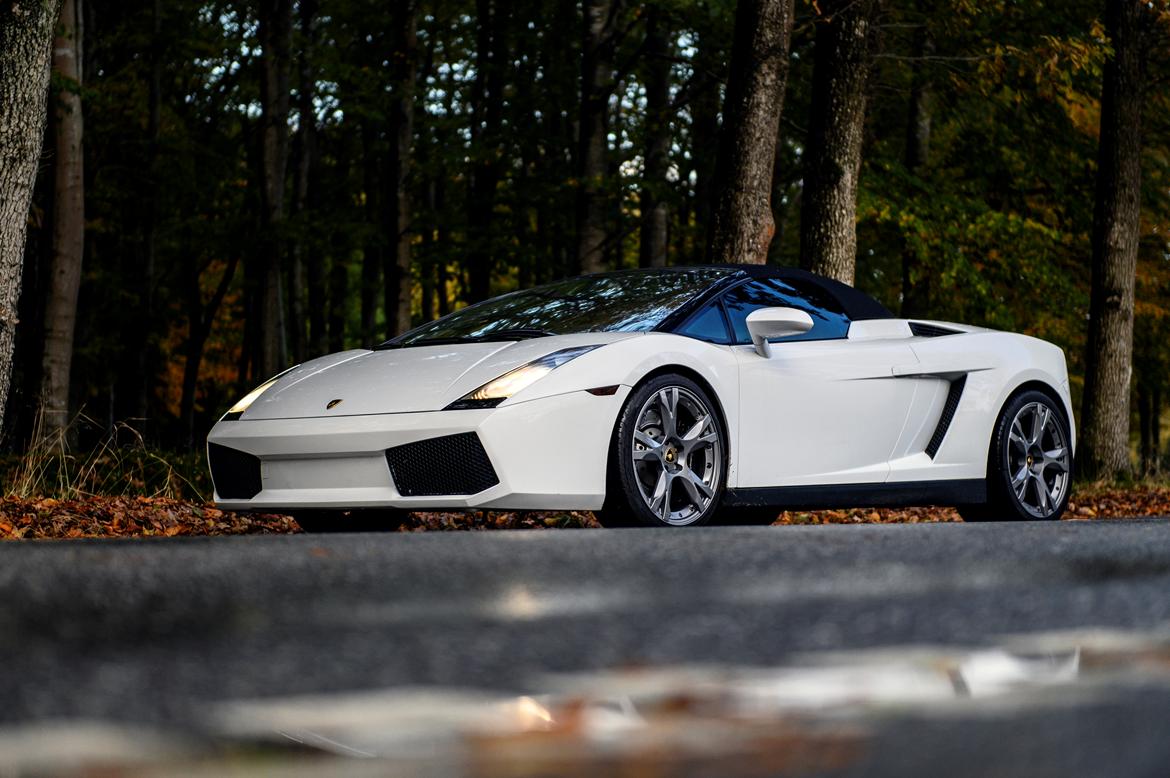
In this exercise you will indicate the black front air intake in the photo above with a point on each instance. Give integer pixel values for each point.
(236, 474)
(452, 464)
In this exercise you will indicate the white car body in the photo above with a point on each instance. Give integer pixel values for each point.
(826, 423)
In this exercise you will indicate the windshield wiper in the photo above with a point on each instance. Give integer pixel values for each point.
(519, 333)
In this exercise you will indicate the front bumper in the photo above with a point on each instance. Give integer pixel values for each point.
(548, 454)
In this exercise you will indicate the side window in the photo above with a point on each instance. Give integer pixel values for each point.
(707, 324)
(829, 319)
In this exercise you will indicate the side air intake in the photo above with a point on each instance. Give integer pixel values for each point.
(948, 415)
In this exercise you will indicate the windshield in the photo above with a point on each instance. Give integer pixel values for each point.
(625, 301)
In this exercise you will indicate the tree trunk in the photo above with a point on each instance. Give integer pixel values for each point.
(398, 208)
(659, 52)
(375, 241)
(704, 143)
(306, 146)
(1144, 427)
(845, 41)
(486, 104)
(26, 39)
(68, 225)
(915, 277)
(1156, 428)
(142, 342)
(1104, 444)
(275, 34)
(200, 319)
(741, 220)
(592, 143)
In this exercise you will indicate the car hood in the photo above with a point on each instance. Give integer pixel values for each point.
(403, 380)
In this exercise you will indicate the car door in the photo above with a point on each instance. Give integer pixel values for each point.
(824, 409)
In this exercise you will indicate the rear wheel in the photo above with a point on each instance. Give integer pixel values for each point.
(668, 457)
(315, 521)
(1029, 471)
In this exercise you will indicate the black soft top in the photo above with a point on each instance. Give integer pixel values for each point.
(858, 306)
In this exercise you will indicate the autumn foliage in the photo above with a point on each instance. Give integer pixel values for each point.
(121, 517)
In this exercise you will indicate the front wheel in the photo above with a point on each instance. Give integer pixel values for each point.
(668, 457)
(1029, 471)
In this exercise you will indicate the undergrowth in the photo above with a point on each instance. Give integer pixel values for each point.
(121, 464)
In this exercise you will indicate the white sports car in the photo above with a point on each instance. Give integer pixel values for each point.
(672, 397)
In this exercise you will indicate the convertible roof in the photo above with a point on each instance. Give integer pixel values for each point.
(857, 304)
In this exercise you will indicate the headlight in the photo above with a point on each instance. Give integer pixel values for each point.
(499, 389)
(238, 409)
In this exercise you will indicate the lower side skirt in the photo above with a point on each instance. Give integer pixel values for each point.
(904, 494)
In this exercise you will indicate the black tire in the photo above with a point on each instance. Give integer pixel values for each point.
(1005, 459)
(624, 503)
(327, 521)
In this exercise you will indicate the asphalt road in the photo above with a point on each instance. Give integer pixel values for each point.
(158, 632)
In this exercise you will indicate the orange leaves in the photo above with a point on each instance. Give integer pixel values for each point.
(121, 517)
(97, 517)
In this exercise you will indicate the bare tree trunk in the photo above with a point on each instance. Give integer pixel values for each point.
(845, 42)
(592, 144)
(741, 220)
(142, 342)
(487, 103)
(68, 225)
(659, 51)
(375, 242)
(200, 318)
(403, 72)
(1104, 443)
(704, 142)
(1156, 428)
(275, 33)
(26, 39)
(338, 300)
(306, 144)
(915, 278)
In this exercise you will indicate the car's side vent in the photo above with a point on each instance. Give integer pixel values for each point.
(923, 330)
(236, 474)
(948, 414)
(452, 464)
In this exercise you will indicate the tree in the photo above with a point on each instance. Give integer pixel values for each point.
(846, 37)
(659, 51)
(915, 278)
(598, 38)
(404, 57)
(26, 37)
(1108, 358)
(487, 105)
(275, 33)
(741, 221)
(68, 223)
(305, 260)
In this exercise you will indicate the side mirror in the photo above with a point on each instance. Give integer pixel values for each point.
(768, 323)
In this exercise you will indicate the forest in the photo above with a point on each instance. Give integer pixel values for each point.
(226, 188)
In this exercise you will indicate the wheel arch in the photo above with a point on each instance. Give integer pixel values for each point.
(686, 372)
(1031, 385)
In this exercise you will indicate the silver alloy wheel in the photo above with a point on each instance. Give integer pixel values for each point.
(1038, 460)
(678, 455)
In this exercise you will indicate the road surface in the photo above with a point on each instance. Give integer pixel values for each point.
(159, 635)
